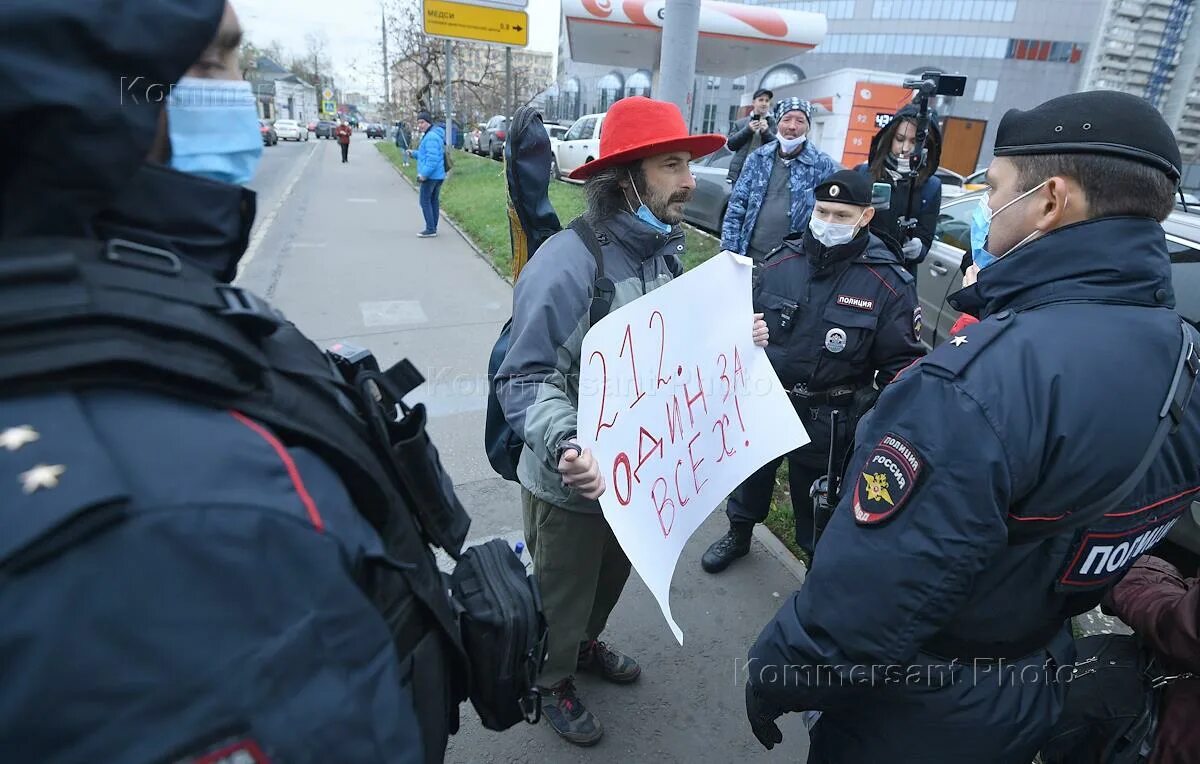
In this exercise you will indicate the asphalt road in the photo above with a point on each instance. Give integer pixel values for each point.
(335, 248)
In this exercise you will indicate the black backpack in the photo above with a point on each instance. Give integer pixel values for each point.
(504, 446)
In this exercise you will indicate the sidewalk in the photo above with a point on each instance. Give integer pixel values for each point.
(342, 260)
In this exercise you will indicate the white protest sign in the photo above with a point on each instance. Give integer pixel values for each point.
(679, 407)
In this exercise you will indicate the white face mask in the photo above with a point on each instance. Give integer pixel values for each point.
(790, 144)
(833, 234)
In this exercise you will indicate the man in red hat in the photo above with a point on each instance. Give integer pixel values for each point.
(636, 192)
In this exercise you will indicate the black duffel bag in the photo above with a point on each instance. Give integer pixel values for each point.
(503, 631)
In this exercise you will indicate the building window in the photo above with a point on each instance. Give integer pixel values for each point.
(739, 84)
(710, 118)
(570, 108)
(712, 83)
(949, 10)
(733, 110)
(610, 88)
(638, 84)
(782, 75)
(834, 9)
(985, 90)
(956, 46)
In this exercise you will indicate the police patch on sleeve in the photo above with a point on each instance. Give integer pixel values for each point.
(917, 321)
(887, 480)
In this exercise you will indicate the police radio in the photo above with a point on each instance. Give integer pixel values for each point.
(826, 491)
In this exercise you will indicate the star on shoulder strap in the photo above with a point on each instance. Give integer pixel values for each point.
(14, 438)
(41, 476)
(958, 341)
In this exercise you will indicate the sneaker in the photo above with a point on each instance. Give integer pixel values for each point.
(731, 546)
(598, 658)
(426, 234)
(568, 717)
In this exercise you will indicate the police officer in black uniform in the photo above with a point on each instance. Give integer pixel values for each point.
(843, 317)
(212, 545)
(1003, 483)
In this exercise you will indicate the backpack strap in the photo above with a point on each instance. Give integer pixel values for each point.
(1170, 416)
(603, 289)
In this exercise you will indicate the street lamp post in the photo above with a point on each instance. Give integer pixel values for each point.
(677, 62)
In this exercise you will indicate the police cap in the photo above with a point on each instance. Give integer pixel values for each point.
(846, 187)
(1093, 122)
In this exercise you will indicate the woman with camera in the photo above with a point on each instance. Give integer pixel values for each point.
(894, 153)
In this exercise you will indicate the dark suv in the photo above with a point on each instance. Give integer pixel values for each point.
(325, 129)
(376, 130)
(940, 276)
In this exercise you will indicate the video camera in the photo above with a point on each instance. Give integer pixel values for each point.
(929, 85)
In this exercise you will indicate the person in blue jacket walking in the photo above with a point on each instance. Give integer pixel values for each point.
(431, 171)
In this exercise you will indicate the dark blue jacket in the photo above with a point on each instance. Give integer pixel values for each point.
(224, 605)
(1042, 408)
(858, 291)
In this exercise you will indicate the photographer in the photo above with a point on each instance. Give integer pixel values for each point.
(208, 552)
(752, 131)
(894, 152)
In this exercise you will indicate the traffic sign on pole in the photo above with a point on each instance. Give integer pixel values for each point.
(329, 107)
(467, 21)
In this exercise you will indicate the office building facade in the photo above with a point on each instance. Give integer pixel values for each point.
(1016, 54)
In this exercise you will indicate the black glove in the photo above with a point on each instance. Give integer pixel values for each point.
(762, 715)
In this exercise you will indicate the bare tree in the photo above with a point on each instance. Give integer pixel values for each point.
(314, 66)
(420, 65)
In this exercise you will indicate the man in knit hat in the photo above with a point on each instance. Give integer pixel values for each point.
(774, 194)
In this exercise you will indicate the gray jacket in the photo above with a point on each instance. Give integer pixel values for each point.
(741, 142)
(538, 382)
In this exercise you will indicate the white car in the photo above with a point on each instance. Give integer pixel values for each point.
(291, 130)
(578, 146)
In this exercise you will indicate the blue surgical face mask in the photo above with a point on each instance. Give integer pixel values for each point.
(214, 129)
(981, 225)
(645, 215)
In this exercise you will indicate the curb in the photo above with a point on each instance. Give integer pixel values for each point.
(443, 216)
(780, 552)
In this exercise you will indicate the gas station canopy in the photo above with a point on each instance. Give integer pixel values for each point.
(734, 38)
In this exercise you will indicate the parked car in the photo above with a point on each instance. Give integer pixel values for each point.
(976, 181)
(580, 145)
(556, 132)
(474, 141)
(290, 130)
(941, 273)
(325, 129)
(376, 130)
(707, 208)
(492, 139)
(267, 130)
(312, 126)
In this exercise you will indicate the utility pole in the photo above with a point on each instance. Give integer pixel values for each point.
(449, 98)
(509, 98)
(387, 85)
(677, 62)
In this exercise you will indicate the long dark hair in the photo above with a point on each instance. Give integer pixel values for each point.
(604, 193)
(877, 169)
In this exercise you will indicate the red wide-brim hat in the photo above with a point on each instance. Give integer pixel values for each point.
(639, 127)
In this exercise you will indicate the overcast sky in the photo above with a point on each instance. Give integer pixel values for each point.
(352, 29)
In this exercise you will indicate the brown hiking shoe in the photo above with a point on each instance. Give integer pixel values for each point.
(598, 658)
(567, 715)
